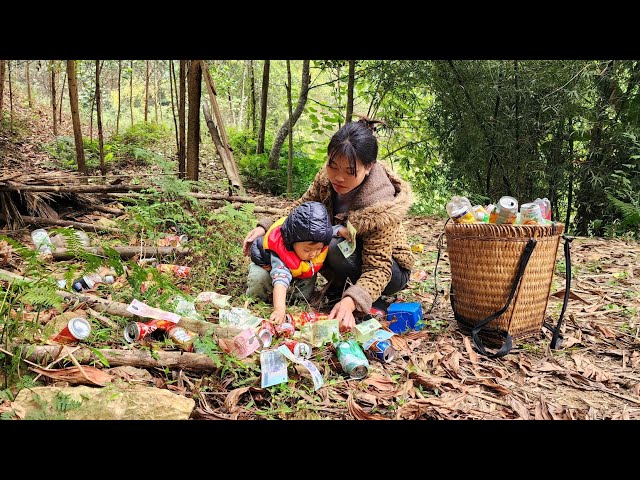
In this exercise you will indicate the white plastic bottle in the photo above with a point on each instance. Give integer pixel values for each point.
(41, 240)
(89, 281)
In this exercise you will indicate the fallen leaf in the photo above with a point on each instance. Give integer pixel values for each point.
(473, 356)
(519, 407)
(73, 375)
(231, 401)
(608, 333)
(359, 413)
(381, 383)
(572, 296)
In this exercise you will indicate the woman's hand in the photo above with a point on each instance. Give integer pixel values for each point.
(251, 236)
(343, 311)
(277, 316)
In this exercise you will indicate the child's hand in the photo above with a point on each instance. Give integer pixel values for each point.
(277, 316)
(344, 233)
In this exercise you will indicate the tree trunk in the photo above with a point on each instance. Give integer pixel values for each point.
(155, 89)
(64, 80)
(146, 93)
(103, 168)
(10, 96)
(53, 97)
(234, 180)
(242, 88)
(2, 67)
(290, 110)
(571, 178)
(119, 83)
(131, 93)
(75, 115)
(172, 77)
(284, 130)
(193, 134)
(352, 70)
(29, 85)
(263, 107)
(253, 97)
(182, 120)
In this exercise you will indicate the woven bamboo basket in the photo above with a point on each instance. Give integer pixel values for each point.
(484, 260)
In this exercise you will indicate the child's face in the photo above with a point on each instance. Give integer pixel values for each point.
(307, 250)
(342, 177)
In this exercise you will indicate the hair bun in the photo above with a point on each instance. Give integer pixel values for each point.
(371, 124)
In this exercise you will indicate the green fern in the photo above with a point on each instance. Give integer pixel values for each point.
(630, 211)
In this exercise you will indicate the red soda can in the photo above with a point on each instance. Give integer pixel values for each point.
(266, 333)
(135, 331)
(77, 328)
(308, 317)
(286, 328)
(177, 270)
(299, 349)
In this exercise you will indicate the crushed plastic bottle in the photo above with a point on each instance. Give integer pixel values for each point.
(42, 241)
(459, 210)
(89, 281)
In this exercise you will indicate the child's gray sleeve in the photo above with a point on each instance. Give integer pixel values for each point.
(336, 228)
(279, 272)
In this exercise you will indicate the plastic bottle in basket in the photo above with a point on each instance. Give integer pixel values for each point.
(530, 214)
(459, 210)
(479, 213)
(545, 207)
(507, 210)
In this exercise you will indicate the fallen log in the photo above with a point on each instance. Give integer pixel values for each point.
(117, 308)
(66, 223)
(125, 252)
(19, 187)
(121, 357)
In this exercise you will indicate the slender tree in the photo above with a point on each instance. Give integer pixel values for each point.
(245, 69)
(146, 93)
(182, 120)
(131, 92)
(290, 109)
(64, 81)
(284, 130)
(155, 89)
(75, 115)
(103, 168)
(10, 95)
(53, 96)
(2, 67)
(352, 70)
(193, 134)
(253, 97)
(263, 107)
(119, 80)
(28, 84)
(172, 82)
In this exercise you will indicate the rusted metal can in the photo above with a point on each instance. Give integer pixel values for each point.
(286, 328)
(380, 350)
(352, 359)
(266, 333)
(177, 270)
(299, 349)
(136, 331)
(181, 337)
(77, 329)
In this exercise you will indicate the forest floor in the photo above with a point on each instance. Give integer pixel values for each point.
(436, 372)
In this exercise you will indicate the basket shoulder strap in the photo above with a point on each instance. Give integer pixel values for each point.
(556, 339)
(475, 331)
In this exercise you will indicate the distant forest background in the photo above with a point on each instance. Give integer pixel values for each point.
(567, 130)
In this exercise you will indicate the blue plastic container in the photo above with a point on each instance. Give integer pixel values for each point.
(407, 314)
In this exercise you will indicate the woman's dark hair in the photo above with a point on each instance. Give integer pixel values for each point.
(355, 140)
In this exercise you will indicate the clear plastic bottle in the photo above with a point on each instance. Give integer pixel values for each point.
(545, 207)
(459, 210)
(41, 240)
(89, 281)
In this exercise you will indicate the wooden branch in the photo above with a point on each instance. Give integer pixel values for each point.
(18, 187)
(66, 223)
(102, 208)
(222, 152)
(119, 357)
(125, 252)
(116, 308)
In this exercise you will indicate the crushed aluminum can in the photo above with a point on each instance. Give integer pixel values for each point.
(417, 248)
(77, 329)
(299, 349)
(136, 331)
(286, 328)
(266, 333)
(181, 337)
(178, 270)
(380, 350)
(307, 317)
(352, 359)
